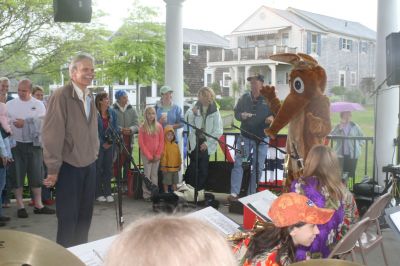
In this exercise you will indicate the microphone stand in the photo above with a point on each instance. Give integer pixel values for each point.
(121, 147)
(258, 140)
(199, 131)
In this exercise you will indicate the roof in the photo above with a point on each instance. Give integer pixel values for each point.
(202, 37)
(293, 18)
(336, 25)
(317, 23)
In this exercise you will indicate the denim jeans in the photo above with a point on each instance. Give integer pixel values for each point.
(249, 147)
(2, 185)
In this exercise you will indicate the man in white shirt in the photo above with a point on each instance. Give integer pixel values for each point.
(25, 114)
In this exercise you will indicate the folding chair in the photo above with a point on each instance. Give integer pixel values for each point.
(325, 262)
(372, 238)
(347, 244)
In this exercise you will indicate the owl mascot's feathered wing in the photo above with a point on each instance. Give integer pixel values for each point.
(305, 109)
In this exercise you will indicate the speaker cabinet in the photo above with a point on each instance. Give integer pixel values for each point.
(393, 59)
(72, 10)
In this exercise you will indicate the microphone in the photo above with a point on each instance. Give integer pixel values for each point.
(300, 161)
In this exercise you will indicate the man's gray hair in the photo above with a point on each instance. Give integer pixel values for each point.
(4, 79)
(78, 58)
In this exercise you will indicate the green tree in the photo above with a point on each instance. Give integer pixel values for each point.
(216, 87)
(33, 45)
(137, 49)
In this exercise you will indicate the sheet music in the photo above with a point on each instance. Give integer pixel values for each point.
(217, 220)
(260, 203)
(395, 217)
(93, 253)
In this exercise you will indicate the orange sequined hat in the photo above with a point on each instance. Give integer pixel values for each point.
(292, 208)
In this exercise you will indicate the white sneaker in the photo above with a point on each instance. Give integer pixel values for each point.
(101, 199)
(110, 198)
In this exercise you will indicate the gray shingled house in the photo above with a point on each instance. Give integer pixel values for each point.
(346, 49)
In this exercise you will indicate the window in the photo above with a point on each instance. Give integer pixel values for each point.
(313, 43)
(345, 44)
(342, 78)
(285, 38)
(287, 78)
(363, 47)
(226, 79)
(208, 77)
(194, 49)
(353, 78)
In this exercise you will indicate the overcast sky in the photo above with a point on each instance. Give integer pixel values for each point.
(223, 16)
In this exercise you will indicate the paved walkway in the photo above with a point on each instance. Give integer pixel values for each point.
(104, 224)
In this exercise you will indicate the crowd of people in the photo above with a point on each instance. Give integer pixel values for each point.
(41, 141)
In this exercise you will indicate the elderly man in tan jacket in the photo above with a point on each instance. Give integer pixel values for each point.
(71, 146)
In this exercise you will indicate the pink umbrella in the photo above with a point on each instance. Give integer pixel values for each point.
(337, 107)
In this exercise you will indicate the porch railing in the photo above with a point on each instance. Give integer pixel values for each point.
(249, 53)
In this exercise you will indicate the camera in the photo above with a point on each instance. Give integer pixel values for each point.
(108, 139)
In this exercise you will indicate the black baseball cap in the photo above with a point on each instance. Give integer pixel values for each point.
(256, 77)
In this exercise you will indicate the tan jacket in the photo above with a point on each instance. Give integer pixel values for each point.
(68, 136)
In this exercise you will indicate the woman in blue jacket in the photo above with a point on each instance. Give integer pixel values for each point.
(107, 128)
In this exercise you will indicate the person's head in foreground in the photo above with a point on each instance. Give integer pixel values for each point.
(294, 219)
(169, 241)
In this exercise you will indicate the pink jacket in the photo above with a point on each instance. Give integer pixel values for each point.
(151, 145)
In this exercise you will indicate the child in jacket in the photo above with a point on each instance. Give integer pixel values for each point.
(151, 144)
(170, 160)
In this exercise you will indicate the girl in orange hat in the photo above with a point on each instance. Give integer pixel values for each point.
(294, 218)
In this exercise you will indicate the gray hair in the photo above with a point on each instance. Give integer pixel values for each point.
(78, 58)
(4, 79)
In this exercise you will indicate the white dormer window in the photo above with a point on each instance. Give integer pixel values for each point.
(194, 49)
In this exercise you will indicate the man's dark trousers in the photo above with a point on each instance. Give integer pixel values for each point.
(75, 190)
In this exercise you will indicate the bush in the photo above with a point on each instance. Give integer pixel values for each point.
(354, 96)
(226, 103)
(338, 90)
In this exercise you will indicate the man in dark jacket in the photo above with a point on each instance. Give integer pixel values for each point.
(254, 114)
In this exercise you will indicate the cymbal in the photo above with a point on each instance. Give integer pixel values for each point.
(326, 262)
(20, 248)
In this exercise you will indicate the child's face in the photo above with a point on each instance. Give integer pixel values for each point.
(304, 235)
(170, 136)
(150, 115)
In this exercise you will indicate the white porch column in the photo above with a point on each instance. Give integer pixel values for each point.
(174, 49)
(153, 89)
(234, 78)
(272, 67)
(387, 101)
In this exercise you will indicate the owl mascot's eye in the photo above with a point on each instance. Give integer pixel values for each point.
(298, 85)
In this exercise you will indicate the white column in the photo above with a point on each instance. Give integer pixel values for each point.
(272, 67)
(174, 56)
(234, 78)
(387, 101)
(174, 49)
(153, 89)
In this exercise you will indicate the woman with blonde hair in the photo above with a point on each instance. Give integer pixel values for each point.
(205, 116)
(151, 143)
(321, 183)
(169, 241)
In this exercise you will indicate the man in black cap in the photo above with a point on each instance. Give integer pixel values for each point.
(254, 114)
